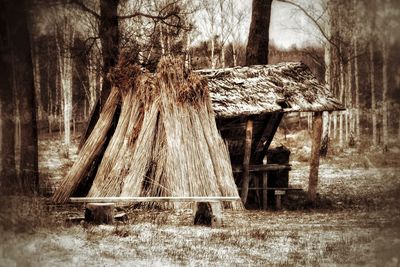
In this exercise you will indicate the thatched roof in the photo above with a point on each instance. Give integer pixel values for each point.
(260, 89)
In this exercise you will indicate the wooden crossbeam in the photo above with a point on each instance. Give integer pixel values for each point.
(268, 135)
(150, 199)
(246, 160)
(262, 167)
(259, 138)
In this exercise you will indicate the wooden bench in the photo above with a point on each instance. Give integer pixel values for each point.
(208, 209)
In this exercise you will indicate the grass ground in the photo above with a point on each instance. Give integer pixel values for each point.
(359, 224)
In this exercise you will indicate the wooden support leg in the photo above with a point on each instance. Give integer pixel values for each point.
(246, 161)
(314, 161)
(278, 199)
(208, 213)
(265, 190)
(100, 213)
(217, 214)
(255, 177)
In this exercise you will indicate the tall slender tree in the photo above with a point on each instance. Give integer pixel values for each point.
(257, 44)
(19, 38)
(7, 106)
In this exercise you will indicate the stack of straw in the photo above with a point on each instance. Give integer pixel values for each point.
(166, 142)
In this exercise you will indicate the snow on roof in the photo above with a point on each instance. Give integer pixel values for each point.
(259, 89)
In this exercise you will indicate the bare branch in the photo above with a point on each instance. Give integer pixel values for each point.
(85, 8)
(315, 21)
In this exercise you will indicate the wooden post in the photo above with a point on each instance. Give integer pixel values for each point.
(208, 213)
(246, 160)
(265, 190)
(100, 213)
(278, 199)
(314, 161)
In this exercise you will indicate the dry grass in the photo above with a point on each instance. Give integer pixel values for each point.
(248, 238)
(357, 233)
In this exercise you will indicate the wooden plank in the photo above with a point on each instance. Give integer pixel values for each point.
(314, 161)
(274, 188)
(267, 137)
(217, 217)
(280, 192)
(259, 138)
(240, 126)
(151, 199)
(265, 190)
(246, 160)
(262, 168)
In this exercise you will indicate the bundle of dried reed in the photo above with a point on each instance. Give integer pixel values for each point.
(166, 142)
(91, 149)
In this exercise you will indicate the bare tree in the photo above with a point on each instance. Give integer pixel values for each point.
(15, 18)
(257, 44)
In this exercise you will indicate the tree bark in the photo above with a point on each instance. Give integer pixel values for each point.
(314, 161)
(109, 38)
(7, 105)
(357, 90)
(25, 90)
(373, 97)
(246, 161)
(385, 57)
(257, 44)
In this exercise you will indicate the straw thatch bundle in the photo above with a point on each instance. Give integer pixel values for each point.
(90, 150)
(166, 142)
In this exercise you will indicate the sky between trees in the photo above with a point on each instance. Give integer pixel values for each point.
(288, 27)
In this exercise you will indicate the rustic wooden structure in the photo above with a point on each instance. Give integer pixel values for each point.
(158, 138)
(250, 102)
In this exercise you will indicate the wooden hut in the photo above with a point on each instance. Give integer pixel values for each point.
(249, 103)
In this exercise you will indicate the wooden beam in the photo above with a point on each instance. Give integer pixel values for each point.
(240, 125)
(150, 199)
(262, 168)
(265, 191)
(314, 161)
(267, 136)
(260, 138)
(246, 161)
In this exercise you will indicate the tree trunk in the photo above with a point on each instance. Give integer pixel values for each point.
(373, 97)
(223, 56)
(234, 54)
(257, 44)
(325, 126)
(212, 52)
(187, 51)
(8, 177)
(349, 100)
(385, 57)
(246, 161)
(25, 91)
(162, 40)
(342, 99)
(36, 75)
(341, 143)
(357, 90)
(65, 72)
(109, 38)
(314, 161)
(334, 114)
